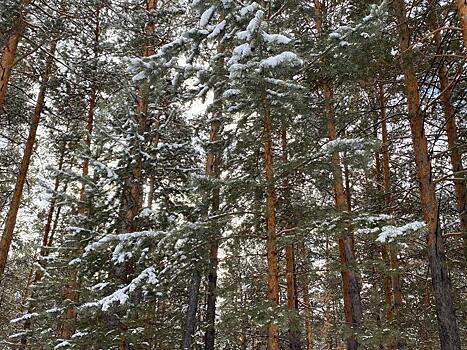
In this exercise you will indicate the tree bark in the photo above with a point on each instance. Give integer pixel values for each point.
(133, 193)
(351, 290)
(71, 290)
(191, 311)
(9, 52)
(212, 170)
(462, 11)
(10, 223)
(270, 214)
(44, 251)
(290, 272)
(451, 131)
(306, 300)
(72, 287)
(447, 323)
(390, 256)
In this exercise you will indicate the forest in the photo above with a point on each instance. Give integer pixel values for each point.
(233, 174)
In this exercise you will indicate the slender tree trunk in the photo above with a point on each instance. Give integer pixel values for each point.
(10, 223)
(8, 54)
(386, 187)
(447, 323)
(306, 300)
(212, 170)
(213, 163)
(272, 263)
(394, 261)
(71, 290)
(290, 272)
(133, 197)
(53, 203)
(396, 284)
(44, 251)
(451, 131)
(191, 311)
(392, 282)
(462, 11)
(387, 284)
(351, 290)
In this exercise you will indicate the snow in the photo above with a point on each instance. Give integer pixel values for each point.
(372, 219)
(217, 30)
(285, 57)
(390, 232)
(79, 334)
(119, 238)
(140, 76)
(99, 286)
(276, 38)
(146, 212)
(17, 335)
(247, 9)
(255, 22)
(109, 172)
(241, 51)
(122, 295)
(24, 317)
(63, 344)
(231, 92)
(52, 310)
(206, 16)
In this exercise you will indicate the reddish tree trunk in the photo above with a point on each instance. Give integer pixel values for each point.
(462, 11)
(212, 170)
(10, 223)
(351, 290)
(290, 273)
(72, 287)
(306, 300)
(451, 131)
(9, 52)
(272, 271)
(447, 323)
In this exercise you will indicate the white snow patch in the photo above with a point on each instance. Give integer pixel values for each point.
(285, 57)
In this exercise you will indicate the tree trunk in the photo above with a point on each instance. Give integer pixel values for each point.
(387, 284)
(213, 163)
(451, 131)
(9, 52)
(212, 170)
(306, 300)
(191, 311)
(290, 273)
(133, 197)
(447, 323)
(392, 282)
(351, 290)
(462, 11)
(10, 223)
(44, 251)
(272, 269)
(71, 290)
(396, 284)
